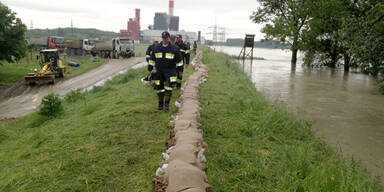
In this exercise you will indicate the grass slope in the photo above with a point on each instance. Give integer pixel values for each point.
(110, 139)
(255, 146)
(141, 49)
(13, 72)
(86, 64)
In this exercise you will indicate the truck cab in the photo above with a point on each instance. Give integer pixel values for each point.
(55, 42)
(123, 46)
(88, 45)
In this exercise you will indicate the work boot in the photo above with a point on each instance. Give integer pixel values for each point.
(161, 101)
(178, 85)
(166, 107)
(160, 106)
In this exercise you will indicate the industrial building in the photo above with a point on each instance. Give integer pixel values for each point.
(149, 36)
(161, 21)
(164, 21)
(133, 27)
(174, 23)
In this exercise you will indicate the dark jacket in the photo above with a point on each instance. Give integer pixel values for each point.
(149, 52)
(165, 57)
(184, 49)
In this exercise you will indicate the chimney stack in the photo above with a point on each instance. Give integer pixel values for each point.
(171, 6)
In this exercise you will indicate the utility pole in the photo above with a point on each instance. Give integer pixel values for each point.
(72, 26)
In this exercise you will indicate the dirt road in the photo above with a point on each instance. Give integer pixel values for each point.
(24, 99)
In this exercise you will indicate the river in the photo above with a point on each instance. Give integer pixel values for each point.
(346, 109)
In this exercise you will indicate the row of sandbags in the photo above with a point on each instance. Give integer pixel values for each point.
(183, 169)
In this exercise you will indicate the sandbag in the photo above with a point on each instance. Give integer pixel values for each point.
(183, 176)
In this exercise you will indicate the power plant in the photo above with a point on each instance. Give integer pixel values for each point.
(163, 21)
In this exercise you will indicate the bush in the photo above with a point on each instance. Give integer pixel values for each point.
(73, 96)
(51, 106)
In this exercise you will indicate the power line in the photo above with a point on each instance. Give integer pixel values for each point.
(72, 26)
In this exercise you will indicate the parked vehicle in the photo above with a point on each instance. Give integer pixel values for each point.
(118, 47)
(79, 47)
(51, 42)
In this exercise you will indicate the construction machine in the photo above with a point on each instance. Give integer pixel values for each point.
(51, 67)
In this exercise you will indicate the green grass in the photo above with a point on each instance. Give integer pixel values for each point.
(256, 146)
(13, 72)
(86, 64)
(141, 49)
(109, 139)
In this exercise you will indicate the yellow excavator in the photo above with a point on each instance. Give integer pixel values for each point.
(51, 68)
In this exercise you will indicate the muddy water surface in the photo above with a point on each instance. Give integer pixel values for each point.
(346, 109)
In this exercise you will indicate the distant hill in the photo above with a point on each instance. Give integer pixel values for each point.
(270, 44)
(77, 33)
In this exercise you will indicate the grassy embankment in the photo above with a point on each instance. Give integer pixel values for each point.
(256, 146)
(13, 72)
(140, 49)
(109, 139)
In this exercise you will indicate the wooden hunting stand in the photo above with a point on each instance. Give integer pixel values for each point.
(249, 42)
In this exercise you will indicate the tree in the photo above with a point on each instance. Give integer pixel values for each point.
(285, 20)
(12, 36)
(363, 35)
(322, 40)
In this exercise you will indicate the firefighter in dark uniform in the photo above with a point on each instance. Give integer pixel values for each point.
(147, 56)
(165, 58)
(185, 56)
(173, 39)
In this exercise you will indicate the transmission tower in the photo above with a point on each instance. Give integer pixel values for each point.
(219, 34)
(72, 26)
(31, 26)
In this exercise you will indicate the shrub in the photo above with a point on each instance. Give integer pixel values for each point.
(51, 106)
(73, 96)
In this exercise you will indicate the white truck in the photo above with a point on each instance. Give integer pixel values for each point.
(79, 47)
(116, 48)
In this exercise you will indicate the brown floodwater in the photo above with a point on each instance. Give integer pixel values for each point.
(346, 109)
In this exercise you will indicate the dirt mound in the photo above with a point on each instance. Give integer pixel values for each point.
(14, 90)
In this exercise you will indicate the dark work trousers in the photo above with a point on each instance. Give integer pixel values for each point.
(165, 80)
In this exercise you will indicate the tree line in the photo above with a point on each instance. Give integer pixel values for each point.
(71, 33)
(329, 32)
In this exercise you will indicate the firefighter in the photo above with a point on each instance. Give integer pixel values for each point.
(147, 56)
(173, 39)
(165, 58)
(194, 47)
(185, 56)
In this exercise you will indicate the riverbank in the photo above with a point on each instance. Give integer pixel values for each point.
(108, 139)
(256, 146)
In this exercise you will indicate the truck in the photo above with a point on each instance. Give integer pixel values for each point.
(116, 48)
(51, 42)
(79, 47)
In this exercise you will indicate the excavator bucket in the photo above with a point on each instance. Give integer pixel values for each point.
(33, 79)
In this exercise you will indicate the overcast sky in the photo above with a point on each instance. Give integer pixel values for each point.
(112, 15)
